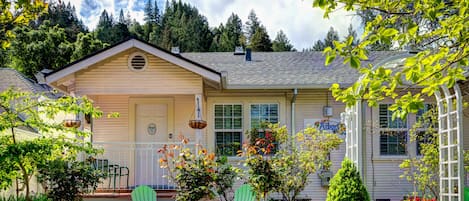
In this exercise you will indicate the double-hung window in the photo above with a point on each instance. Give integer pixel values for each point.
(261, 115)
(393, 133)
(228, 128)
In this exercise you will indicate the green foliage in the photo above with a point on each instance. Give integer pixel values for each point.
(68, 180)
(34, 50)
(63, 15)
(21, 158)
(184, 26)
(197, 175)
(252, 25)
(287, 170)
(301, 155)
(423, 171)
(331, 36)
(17, 13)
(260, 40)
(229, 36)
(347, 185)
(109, 31)
(281, 43)
(433, 27)
(86, 44)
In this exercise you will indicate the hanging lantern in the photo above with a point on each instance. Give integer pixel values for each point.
(72, 123)
(198, 123)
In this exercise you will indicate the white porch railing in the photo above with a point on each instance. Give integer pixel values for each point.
(130, 164)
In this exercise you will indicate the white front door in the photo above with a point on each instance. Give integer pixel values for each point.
(151, 126)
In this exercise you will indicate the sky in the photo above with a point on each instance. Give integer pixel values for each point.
(302, 24)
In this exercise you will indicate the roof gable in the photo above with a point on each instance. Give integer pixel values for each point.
(85, 62)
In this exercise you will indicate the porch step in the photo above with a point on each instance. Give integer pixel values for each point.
(126, 194)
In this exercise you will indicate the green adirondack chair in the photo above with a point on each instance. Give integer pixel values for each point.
(143, 193)
(244, 193)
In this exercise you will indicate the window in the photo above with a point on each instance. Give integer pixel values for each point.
(262, 114)
(393, 134)
(228, 128)
(427, 128)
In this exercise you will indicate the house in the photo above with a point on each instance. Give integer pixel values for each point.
(157, 92)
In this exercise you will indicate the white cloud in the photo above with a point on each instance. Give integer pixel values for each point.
(302, 23)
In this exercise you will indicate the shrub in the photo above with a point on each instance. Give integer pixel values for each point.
(347, 185)
(197, 175)
(66, 181)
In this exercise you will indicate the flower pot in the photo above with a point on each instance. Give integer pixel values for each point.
(197, 124)
(72, 123)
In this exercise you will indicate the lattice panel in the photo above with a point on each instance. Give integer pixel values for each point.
(450, 114)
(352, 120)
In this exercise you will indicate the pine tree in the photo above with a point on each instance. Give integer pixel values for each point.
(347, 185)
(332, 35)
(232, 34)
(63, 15)
(183, 26)
(252, 24)
(281, 43)
(260, 40)
(104, 28)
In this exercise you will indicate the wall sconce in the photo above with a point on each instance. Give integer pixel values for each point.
(327, 111)
(170, 136)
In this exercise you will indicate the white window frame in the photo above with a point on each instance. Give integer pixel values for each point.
(223, 130)
(383, 130)
(259, 104)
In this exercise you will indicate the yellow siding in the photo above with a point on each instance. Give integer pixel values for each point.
(310, 106)
(112, 129)
(113, 76)
(183, 112)
(117, 129)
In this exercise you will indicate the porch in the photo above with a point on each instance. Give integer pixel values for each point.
(131, 164)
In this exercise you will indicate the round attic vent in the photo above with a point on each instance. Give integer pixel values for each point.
(137, 61)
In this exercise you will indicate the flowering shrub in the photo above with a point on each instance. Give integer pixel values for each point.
(197, 175)
(287, 168)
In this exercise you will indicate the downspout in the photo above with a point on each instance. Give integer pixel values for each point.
(224, 74)
(293, 100)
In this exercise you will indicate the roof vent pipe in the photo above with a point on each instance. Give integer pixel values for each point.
(248, 54)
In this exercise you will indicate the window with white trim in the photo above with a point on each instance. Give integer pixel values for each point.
(228, 128)
(261, 115)
(393, 133)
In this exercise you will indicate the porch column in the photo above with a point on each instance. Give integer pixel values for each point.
(451, 143)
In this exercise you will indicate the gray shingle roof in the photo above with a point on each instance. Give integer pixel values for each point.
(10, 77)
(282, 69)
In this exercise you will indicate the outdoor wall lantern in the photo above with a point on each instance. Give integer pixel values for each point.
(327, 111)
